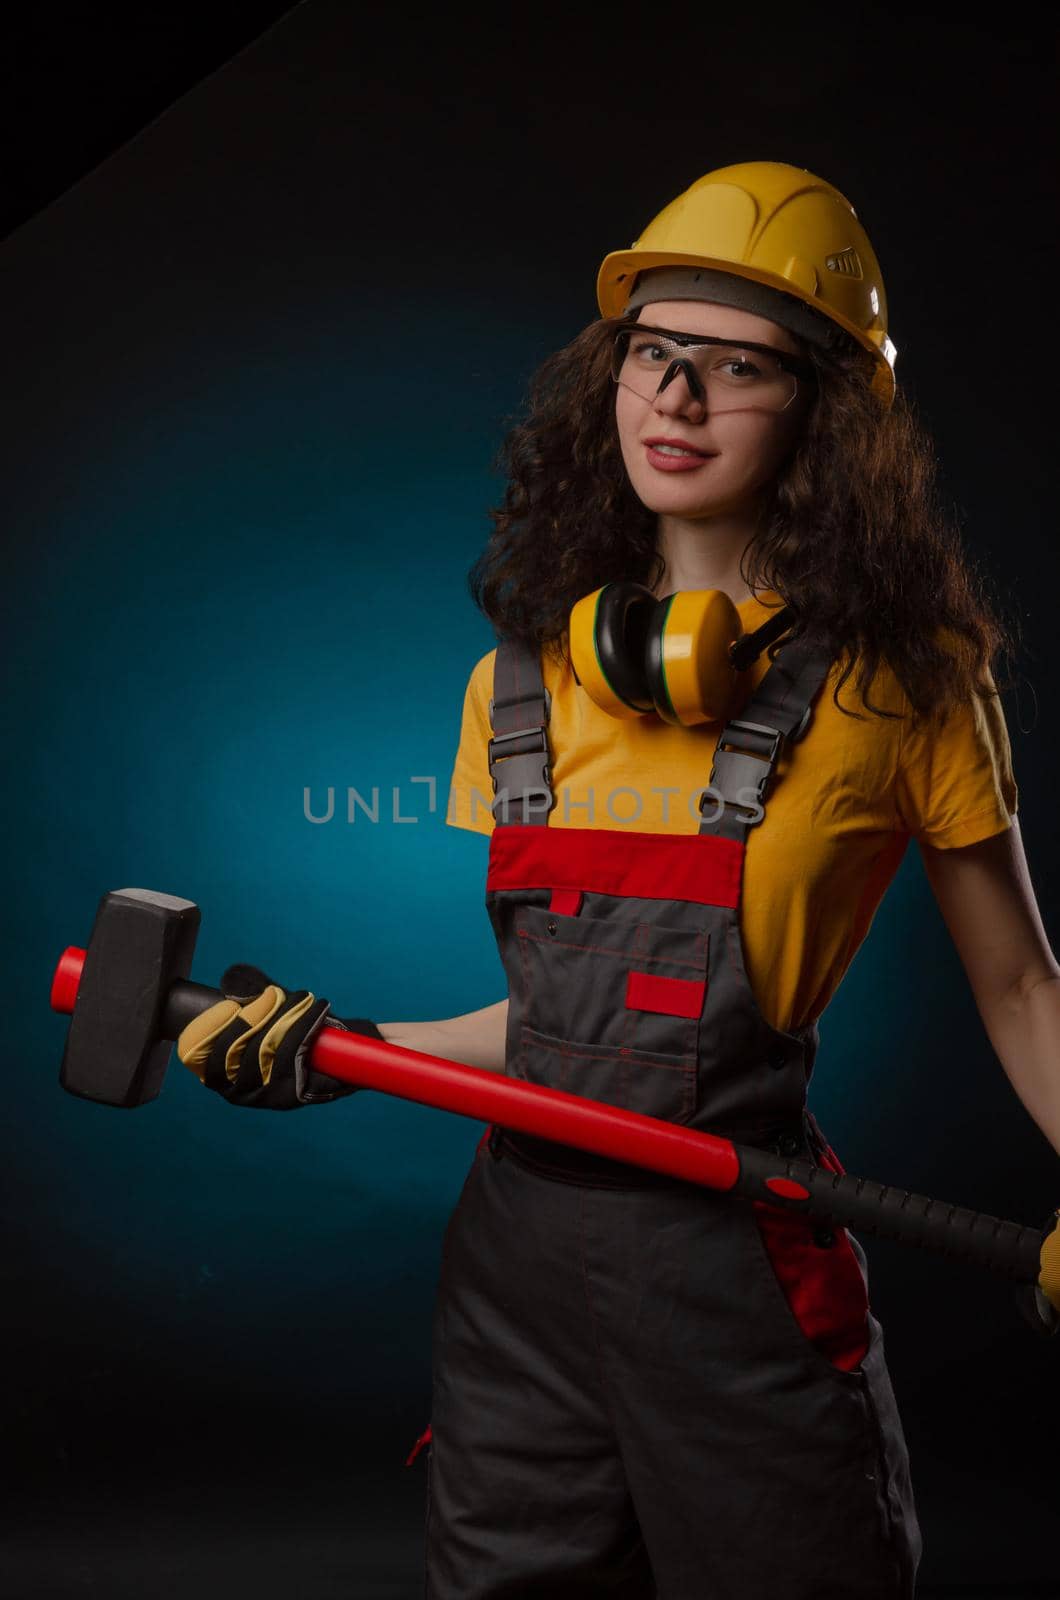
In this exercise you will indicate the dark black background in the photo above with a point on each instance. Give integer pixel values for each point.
(400, 157)
(79, 81)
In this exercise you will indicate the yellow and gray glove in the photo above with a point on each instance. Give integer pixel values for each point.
(1048, 1285)
(253, 1046)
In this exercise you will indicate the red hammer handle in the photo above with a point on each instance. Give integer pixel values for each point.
(660, 1146)
(487, 1096)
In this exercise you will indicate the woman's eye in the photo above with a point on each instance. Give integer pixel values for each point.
(745, 369)
(651, 352)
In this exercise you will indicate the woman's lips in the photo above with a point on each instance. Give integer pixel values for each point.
(665, 462)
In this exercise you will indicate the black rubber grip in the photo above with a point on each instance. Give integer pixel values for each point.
(889, 1213)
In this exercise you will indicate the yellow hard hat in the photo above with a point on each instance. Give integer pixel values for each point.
(777, 226)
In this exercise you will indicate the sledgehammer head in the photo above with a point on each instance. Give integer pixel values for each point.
(142, 942)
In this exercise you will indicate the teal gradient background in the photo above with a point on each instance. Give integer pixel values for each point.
(258, 369)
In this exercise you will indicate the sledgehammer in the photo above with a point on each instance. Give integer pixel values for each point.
(129, 996)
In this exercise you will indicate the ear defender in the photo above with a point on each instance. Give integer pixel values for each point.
(607, 631)
(633, 653)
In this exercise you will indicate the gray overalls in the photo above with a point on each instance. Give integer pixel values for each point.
(641, 1387)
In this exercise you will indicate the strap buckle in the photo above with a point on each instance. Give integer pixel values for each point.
(736, 771)
(526, 771)
(759, 734)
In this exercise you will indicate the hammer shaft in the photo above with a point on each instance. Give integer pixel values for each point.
(660, 1146)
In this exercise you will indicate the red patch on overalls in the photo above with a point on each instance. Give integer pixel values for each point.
(822, 1285)
(673, 997)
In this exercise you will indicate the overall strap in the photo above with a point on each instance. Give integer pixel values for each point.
(749, 745)
(518, 751)
(747, 751)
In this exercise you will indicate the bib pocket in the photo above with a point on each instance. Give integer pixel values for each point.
(611, 1009)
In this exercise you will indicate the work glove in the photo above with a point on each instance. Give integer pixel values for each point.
(1049, 1276)
(1039, 1299)
(253, 1046)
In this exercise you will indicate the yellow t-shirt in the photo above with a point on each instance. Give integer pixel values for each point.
(844, 803)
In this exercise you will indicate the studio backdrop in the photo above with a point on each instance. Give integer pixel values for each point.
(258, 367)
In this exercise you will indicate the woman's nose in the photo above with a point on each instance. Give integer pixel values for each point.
(681, 390)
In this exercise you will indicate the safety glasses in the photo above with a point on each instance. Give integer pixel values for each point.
(724, 374)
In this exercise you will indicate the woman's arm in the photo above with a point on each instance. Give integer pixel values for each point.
(476, 1038)
(985, 895)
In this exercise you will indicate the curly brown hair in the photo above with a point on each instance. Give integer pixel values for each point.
(854, 537)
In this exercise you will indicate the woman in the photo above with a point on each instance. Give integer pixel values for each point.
(642, 1387)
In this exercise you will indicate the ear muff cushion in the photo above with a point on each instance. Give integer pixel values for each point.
(687, 667)
(604, 673)
(585, 660)
(623, 616)
(585, 656)
(654, 662)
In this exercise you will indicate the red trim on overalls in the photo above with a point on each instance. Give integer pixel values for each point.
(568, 902)
(823, 1285)
(700, 868)
(424, 1438)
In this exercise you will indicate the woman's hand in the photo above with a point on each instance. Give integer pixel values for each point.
(253, 1047)
(1049, 1277)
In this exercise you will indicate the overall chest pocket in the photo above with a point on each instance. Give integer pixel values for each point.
(611, 1009)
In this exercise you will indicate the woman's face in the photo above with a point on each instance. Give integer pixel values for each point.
(747, 447)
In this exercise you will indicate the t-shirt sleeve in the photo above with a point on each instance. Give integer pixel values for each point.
(955, 783)
(470, 787)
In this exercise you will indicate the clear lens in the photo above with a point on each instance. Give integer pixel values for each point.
(732, 377)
